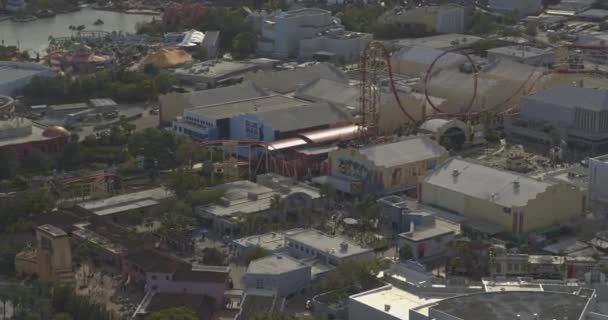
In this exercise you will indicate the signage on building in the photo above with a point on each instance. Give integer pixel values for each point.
(352, 168)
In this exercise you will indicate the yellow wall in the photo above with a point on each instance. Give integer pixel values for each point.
(561, 203)
(171, 106)
(409, 176)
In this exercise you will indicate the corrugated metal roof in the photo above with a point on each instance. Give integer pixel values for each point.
(290, 80)
(405, 151)
(325, 135)
(242, 91)
(572, 97)
(302, 117)
(426, 55)
(478, 181)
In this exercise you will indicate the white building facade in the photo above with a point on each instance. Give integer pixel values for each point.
(522, 7)
(279, 274)
(344, 45)
(280, 35)
(598, 179)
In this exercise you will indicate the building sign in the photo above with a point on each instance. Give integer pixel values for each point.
(253, 130)
(352, 168)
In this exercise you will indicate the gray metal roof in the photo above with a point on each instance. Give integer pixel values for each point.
(573, 97)
(426, 55)
(12, 71)
(409, 150)
(519, 51)
(425, 233)
(329, 91)
(242, 91)
(303, 117)
(328, 244)
(275, 264)
(290, 80)
(255, 105)
(501, 187)
(125, 202)
(514, 305)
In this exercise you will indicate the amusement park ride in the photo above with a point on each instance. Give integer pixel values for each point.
(375, 67)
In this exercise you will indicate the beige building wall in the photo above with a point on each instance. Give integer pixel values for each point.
(391, 117)
(559, 204)
(171, 106)
(408, 68)
(407, 174)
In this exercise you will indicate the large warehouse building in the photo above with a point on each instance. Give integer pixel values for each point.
(517, 203)
(385, 168)
(14, 76)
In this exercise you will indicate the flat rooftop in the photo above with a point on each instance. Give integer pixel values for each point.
(269, 241)
(408, 150)
(52, 230)
(304, 12)
(243, 197)
(69, 106)
(520, 51)
(425, 233)
(215, 69)
(275, 264)
(523, 305)
(126, 202)
(400, 301)
(326, 243)
(442, 41)
(17, 131)
(227, 110)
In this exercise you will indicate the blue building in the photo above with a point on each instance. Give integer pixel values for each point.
(262, 119)
(14, 76)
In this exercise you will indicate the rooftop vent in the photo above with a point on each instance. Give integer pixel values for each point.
(516, 184)
(343, 247)
(387, 307)
(455, 173)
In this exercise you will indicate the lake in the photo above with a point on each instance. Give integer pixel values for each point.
(33, 36)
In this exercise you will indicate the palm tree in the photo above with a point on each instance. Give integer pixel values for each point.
(277, 203)
(328, 192)
(4, 298)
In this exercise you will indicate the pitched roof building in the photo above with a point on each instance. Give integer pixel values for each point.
(383, 168)
(518, 203)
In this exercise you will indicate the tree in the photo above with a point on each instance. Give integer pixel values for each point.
(531, 29)
(8, 159)
(273, 316)
(179, 313)
(482, 23)
(243, 45)
(204, 196)
(255, 253)
(183, 181)
(553, 37)
(25, 206)
(159, 145)
(359, 274)
(200, 53)
(213, 257)
(276, 203)
(405, 253)
(328, 192)
(62, 316)
(151, 69)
